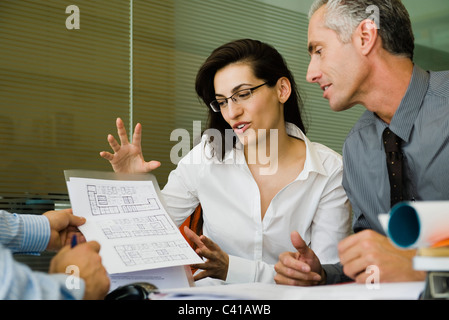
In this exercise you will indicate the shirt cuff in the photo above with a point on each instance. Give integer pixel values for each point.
(36, 233)
(240, 270)
(335, 274)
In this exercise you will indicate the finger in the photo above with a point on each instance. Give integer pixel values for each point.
(348, 243)
(64, 249)
(297, 272)
(354, 267)
(283, 280)
(152, 165)
(81, 238)
(291, 261)
(361, 278)
(205, 252)
(201, 266)
(298, 242)
(72, 220)
(67, 239)
(192, 236)
(115, 146)
(357, 239)
(357, 246)
(202, 275)
(122, 132)
(107, 155)
(209, 249)
(209, 243)
(94, 245)
(137, 136)
(351, 254)
(76, 221)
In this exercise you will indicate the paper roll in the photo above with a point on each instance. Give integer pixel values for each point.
(419, 224)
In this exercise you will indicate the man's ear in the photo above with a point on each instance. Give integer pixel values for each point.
(366, 36)
(284, 88)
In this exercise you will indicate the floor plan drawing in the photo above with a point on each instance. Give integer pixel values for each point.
(150, 253)
(128, 219)
(137, 227)
(114, 200)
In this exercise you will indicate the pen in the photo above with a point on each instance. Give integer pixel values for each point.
(74, 241)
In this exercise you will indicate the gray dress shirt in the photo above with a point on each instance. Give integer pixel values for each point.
(422, 122)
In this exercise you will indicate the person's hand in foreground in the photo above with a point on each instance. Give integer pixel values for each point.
(300, 268)
(64, 225)
(84, 262)
(369, 248)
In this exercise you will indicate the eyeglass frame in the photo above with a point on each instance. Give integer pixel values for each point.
(251, 90)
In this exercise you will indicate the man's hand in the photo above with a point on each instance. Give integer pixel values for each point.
(128, 157)
(63, 225)
(301, 268)
(86, 258)
(368, 248)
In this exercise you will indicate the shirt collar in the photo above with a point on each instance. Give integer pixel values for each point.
(313, 161)
(405, 117)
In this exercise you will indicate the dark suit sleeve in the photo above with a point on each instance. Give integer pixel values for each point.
(335, 274)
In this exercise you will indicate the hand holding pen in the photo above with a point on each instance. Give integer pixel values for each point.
(63, 225)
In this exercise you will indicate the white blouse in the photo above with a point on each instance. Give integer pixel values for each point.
(315, 205)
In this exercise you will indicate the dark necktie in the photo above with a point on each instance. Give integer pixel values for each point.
(394, 164)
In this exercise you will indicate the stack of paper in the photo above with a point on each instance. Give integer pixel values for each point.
(125, 214)
(435, 258)
(425, 226)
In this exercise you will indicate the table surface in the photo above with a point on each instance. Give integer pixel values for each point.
(259, 291)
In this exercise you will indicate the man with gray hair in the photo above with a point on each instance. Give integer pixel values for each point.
(362, 53)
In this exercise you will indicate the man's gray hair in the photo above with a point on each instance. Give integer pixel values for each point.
(391, 17)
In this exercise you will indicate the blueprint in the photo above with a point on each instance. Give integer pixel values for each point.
(129, 221)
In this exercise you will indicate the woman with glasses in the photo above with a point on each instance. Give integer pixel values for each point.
(255, 173)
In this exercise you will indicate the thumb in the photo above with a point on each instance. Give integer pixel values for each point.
(152, 165)
(298, 242)
(76, 221)
(93, 245)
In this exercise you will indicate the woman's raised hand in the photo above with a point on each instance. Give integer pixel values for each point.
(128, 157)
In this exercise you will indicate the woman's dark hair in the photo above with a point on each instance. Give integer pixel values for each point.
(267, 64)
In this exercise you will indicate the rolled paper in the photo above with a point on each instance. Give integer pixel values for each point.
(419, 224)
(441, 244)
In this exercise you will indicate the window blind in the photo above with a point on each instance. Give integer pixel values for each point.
(60, 90)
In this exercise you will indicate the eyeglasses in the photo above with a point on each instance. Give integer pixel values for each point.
(237, 98)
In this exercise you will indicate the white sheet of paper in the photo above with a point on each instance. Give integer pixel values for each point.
(263, 291)
(128, 220)
(164, 278)
(419, 224)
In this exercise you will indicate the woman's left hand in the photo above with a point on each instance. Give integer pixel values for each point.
(217, 262)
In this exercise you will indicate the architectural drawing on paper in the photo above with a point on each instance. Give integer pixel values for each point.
(137, 227)
(151, 253)
(114, 200)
